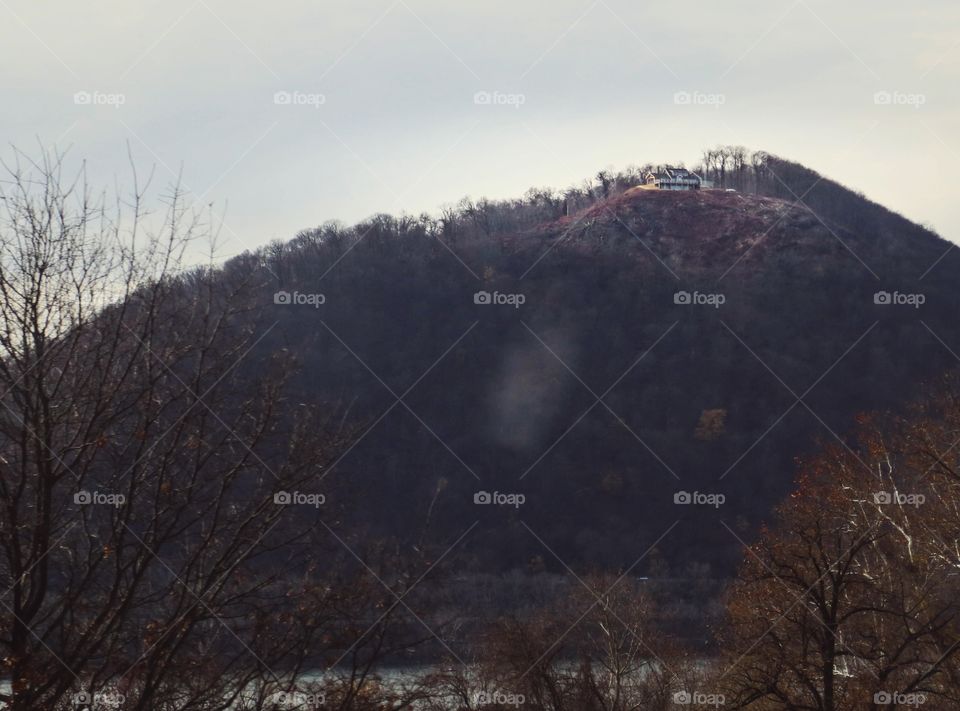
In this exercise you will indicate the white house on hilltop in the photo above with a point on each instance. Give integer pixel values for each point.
(670, 178)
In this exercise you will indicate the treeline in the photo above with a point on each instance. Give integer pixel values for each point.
(728, 167)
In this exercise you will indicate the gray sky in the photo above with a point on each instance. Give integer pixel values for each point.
(382, 114)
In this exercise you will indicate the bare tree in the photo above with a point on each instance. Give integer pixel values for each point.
(849, 601)
(145, 550)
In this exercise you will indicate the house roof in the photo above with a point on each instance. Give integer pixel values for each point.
(672, 173)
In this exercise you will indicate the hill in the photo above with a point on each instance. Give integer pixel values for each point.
(602, 351)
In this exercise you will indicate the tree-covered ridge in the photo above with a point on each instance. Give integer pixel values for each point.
(713, 404)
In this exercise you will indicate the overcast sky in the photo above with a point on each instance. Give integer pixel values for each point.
(383, 114)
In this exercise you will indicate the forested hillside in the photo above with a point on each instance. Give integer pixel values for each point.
(592, 388)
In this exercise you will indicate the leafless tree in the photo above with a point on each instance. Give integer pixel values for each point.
(850, 598)
(151, 543)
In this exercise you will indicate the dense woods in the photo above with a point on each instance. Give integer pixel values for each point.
(694, 399)
(268, 484)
